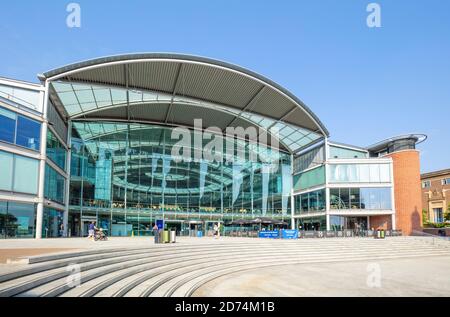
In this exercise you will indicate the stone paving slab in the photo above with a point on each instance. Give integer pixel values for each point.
(421, 277)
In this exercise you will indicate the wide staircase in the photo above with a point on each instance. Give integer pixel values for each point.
(180, 269)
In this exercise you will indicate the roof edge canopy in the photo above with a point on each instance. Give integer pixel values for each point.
(206, 79)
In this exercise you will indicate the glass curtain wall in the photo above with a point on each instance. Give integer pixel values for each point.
(131, 170)
(17, 220)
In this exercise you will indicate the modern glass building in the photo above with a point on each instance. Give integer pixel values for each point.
(95, 141)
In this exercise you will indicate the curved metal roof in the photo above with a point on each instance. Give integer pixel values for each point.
(417, 137)
(228, 95)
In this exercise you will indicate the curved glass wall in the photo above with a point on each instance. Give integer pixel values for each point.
(132, 170)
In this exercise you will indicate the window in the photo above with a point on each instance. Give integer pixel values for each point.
(19, 130)
(7, 125)
(310, 202)
(6, 171)
(54, 185)
(55, 150)
(446, 181)
(18, 173)
(311, 178)
(360, 173)
(361, 198)
(17, 220)
(426, 184)
(438, 215)
(25, 175)
(343, 153)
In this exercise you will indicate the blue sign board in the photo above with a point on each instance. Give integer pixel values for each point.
(272, 234)
(160, 224)
(289, 234)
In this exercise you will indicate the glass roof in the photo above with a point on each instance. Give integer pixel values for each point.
(78, 99)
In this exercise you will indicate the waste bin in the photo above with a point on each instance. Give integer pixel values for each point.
(382, 234)
(161, 236)
(378, 234)
(199, 234)
(173, 236)
(166, 236)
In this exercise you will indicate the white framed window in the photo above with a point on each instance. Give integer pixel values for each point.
(426, 184)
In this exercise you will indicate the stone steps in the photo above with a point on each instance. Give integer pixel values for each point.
(180, 269)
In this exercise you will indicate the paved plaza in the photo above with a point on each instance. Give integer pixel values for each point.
(225, 267)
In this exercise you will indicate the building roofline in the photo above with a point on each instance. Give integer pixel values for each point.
(435, 173)
(78, 67)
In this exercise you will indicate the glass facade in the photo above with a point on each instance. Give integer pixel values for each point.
(17, 220)
(312, 223)
(54, 185)
(131, 169)
(344, 153)
(309, 159)
(52, 224)
(360, 173)
(19, 130)
(18, 173)
(311, 178)
(361, 198)
(56, 150)
(310, 202)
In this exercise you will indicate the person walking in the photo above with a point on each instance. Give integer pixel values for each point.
(92, 230)
(216, 231)
(156, 233)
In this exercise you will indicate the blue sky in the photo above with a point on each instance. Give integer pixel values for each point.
(364, 84)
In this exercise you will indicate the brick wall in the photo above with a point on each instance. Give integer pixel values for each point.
(407, 188)
(381, 222)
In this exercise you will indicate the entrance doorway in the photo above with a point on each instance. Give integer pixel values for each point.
(85, 222)
(195, 228)
(356, 223)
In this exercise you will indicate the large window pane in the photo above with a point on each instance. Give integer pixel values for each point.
(6, 171)
(54, 185)
(7, 125)
(310, 178)
(55, 150)
(28, 133)
(20, 220)
(26, 175)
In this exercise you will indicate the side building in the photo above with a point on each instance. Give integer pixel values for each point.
(436, 195)
(338, 186)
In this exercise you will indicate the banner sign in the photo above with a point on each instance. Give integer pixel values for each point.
(272, 234)
(289, 234)
(160, 224)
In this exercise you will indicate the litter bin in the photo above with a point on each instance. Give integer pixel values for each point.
(199, 234)
(173, 236)
(382, 234)
(378, 234)
(166, 236)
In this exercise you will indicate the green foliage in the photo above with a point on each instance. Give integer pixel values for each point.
(425, 219)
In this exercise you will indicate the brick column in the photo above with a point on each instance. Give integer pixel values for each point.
(407, 189)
